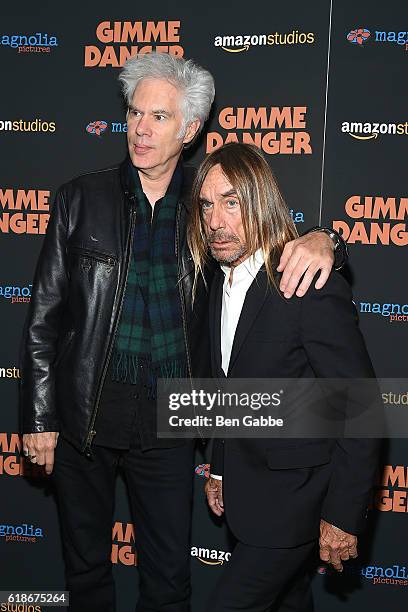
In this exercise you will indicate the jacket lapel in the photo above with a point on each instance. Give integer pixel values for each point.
(215, 322)
(253, 303)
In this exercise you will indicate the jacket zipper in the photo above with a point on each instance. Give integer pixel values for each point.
(129, 243)
(94, 255)
(183, 305)
(181, 292)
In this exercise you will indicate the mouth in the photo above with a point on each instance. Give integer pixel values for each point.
(141, 149)
(219, 244)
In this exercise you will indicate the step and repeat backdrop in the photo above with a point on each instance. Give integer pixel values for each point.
(321, 88)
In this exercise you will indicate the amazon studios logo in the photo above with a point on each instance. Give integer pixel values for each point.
(367, 130)
(209, 556)
(243, 42)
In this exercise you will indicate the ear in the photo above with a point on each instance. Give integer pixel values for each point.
(192, 130)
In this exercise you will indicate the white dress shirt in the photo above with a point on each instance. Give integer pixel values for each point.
(233, 297)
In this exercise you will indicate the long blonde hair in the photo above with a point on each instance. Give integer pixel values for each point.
(265, 216)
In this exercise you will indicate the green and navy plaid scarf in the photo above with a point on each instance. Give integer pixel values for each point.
(149, 343)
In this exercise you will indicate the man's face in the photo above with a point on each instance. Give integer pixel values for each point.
(221, 212)
(154, 123)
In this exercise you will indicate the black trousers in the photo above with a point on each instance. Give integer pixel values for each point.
(159, 483)
(265, 580)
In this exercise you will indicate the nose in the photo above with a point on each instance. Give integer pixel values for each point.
(216, 219)
(143, 126)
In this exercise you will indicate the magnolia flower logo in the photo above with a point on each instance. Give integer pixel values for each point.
(96, 128)
(358, 37)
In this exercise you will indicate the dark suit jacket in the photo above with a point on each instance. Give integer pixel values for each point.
(276, 490)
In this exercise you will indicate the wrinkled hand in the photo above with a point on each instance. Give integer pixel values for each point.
(39, 448)
(336, 545)
(213, 491)
(305, 256)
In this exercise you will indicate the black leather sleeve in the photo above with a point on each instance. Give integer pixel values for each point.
(42, 327)
(336, 349)
(341, 253)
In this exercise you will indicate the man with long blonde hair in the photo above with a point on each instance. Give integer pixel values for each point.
(282, 495)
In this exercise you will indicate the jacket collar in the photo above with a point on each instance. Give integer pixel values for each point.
(189, 173)
(254, 300)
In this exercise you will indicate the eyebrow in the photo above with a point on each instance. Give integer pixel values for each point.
(227, 194)
(159, 111)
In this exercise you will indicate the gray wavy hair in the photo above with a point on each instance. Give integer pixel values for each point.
(196, 83)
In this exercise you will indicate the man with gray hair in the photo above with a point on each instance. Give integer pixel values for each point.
(111, 311)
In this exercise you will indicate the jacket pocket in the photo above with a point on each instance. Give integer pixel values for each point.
(307, 455)
(89, 254)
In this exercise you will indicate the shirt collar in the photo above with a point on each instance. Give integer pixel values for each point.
(248, 268)
(173, 189)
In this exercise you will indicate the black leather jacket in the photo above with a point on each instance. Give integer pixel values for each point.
(77, 298)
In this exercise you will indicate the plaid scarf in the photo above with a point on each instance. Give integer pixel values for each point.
(149, 342)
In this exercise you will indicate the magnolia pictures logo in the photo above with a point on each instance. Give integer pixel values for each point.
(391, 312)
(360, 36)
(100, 127)
(16, 294)
(21, 533)
(29, 43)
(394, 575)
